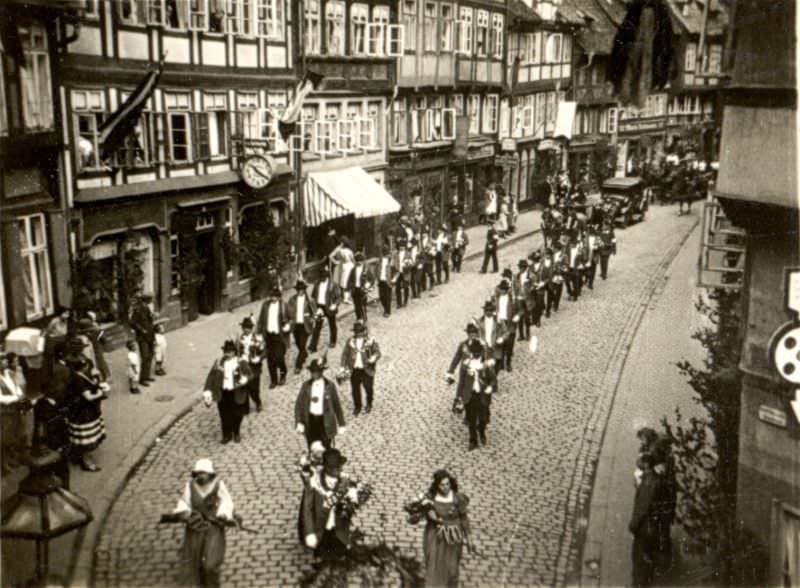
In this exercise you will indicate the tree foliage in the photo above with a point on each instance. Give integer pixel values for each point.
(262, 244)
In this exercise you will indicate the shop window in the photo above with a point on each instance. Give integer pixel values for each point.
(88, 107)
(359, 15)
(498, 36)
(446, 20)
(334, 20)
(37, 98)
(482, 32)
(312, 31)
(409, 8)
(178, 117)
(431, 39)
(399, 121)
(35, 266)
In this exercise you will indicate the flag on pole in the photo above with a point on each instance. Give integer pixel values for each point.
(310, 82)
(118, 126)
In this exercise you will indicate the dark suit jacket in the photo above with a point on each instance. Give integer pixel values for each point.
(333, 295)
(263, 316)
(645, 517)
(315, 515)
(462, 353)
(466, 380)
(366, 278)
(142, 322)
(216, 376)
(332, 414)
(371, 351)
(308, 312)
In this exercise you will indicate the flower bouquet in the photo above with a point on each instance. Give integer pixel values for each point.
(417, 509)
(349, 496)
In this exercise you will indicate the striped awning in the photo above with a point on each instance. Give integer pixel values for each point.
(331, 194)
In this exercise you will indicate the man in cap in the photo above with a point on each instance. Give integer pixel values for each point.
(226, 384)
(460, 242)
(490, 250)
(250, 347)
(359, 358)
(317, 410)
(274, 326)
(508, 314)
(403, 267)
(475, 386)
(359, 283)
(492, 333)
(326, 296)
(326, 528)
(144, 328)
(386, 278)
(301, 314)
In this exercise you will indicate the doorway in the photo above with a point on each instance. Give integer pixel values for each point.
(206, 293)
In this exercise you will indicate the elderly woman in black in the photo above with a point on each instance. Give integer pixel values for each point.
(446, 531)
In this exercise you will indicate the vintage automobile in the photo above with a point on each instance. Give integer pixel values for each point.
(624, 199)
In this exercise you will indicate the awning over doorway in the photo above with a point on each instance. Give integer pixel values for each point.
(331, 194)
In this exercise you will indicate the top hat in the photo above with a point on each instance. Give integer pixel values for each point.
(507, 273)
(300, 284)
(475, 347)
(489, 305)
(359, 327)
(203, 466)
(333, 457)
(523, 263)
(229, 345)
(247, 323)
(472, 328)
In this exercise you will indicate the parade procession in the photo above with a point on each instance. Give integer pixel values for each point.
(399, 293)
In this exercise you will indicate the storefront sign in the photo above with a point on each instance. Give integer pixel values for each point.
(547, 144)
(773, 416)
(634, 125)
(509, 145)
(485, 151)
(506, 160)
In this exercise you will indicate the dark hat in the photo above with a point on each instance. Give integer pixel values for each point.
(359, 327)
(475, 347)
(333, 457)
(537, 255)
(359, 256)
(146, 296)
(489, 305)
(503, 286)
(300, 284)
(247, 323)
(548, 251)
(229, 345)
(275, 291)
(522, 263)
(507, 273)
(316, 365)
(472, 328)
(76, 345)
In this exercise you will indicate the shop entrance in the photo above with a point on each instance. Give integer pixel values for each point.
(206, 293)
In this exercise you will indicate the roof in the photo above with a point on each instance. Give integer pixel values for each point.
(597, 36)
(522, 12)
(337, 193)
(630, 182)
(567, 13)
(692, 22)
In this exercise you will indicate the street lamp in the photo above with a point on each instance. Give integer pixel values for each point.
(42, 510)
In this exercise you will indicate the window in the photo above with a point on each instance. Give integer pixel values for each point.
(216, 16)
(89, 11)
(505, 119)
(536, 48)
(215, 142)
(88, 107)
(691, 57)
(399, 136)
(308, 127)
(358, 27)
(270, 19)
(197, 15)
(178, 116)
(448, 124)
(540, 112)
(174, 262)
(550, 119)
(334, 19)
(457, 104)
(139, 147)
(482, 32)
(566, 49)
(523, 51)
(35, 266)
(465, 30)
(133, 12)
(603, 121)
(240, 16)
(433, 118)
(474, 104)
(37, 100)
(248, 119)
(499, 35)
(490, 113)
(276, 105)
(446, 20)
(375, 128)
(715, 59)
(553, 48)
(313, 38)
(376, 31)
(419, 128)
(348, 129)
(430, 39)
(410, 21)
(612, 120)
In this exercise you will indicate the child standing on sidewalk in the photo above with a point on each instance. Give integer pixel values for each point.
(160, 351)
(134, 366)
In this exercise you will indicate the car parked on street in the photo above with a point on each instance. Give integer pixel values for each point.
(625, 200)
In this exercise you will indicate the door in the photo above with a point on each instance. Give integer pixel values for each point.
(206, 293)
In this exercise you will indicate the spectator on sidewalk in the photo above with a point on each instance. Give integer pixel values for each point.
(134, 367)
(490, 251)
(160, 350)
(13, 406)
(344, 258)
(456, 212)
(143, 325)
(85, 392)
(644, 523)
(51, 431)
(502, 219)
(90, 331)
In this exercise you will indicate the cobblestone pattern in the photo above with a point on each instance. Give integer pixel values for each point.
(527, 486)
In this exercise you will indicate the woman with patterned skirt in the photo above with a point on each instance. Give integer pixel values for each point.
(85, 392)
(446, 532)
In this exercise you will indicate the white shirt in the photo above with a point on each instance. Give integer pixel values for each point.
(573, 255)
(384, 269)
(359, 271)
(229, 370)
(488, 327)
(359, 345)
(474, 366)
(502, 307)
(317, 397)
(401, 257)
(300, 309)
(16, 394)
(322, 288)
(523, 278)
(459, 236)
(273, 326)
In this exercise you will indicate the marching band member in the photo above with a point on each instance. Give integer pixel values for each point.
(507, 314)
(326, 296)
(250, 347)
(592, 249)
(226, 384)
(576, 260)
(442, 243)
(476, 383)
(460, 242)
(386, 278)
(358, 285)
(302, 312)
(274, 326)
(416, 265)
(403, 273)
(317, 411)
(359, 357)
(492, 333)
(608, 246)
(555, 265)
(540, 277)
(523, 291)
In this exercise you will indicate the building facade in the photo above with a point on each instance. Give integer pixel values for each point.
(172, 196)
(34, 260)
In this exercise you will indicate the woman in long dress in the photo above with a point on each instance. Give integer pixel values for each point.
(346, 259)
(85, 392)
(446, 532)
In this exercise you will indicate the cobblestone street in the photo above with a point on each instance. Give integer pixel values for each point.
(528, 487)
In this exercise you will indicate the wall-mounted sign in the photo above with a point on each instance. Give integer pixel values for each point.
(771, 415)
(485, 151)
(547, 144)
(509, 145)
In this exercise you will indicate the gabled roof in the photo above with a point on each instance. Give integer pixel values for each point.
(567, 13)
(523, 13)
(597, 34)
(692, 23)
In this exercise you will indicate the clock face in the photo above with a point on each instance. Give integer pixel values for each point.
(257, 171)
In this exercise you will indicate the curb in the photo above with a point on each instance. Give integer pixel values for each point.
(81, 572)
(598, 422)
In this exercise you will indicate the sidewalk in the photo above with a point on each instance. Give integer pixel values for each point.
(135, 422)
(663, 338)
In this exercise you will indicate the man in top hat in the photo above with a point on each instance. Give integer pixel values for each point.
(144, 328)
(555, 266)
(539, 277)
(592, 248)
(428, 255)
(525, 299)
(226, 384)
(492, 333)
(576, 260)
(386, 278)
(476, 383)
(462, 351)
(326, 296)
(359, 283)
(460, 241)
(274, 326)
(301, 314)
(359, 357)
(317, 411)
(608, 246)
(507, 314)
(442, 245)
(250, 347)
(490, 250)
(326, 528)
(403, 267)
